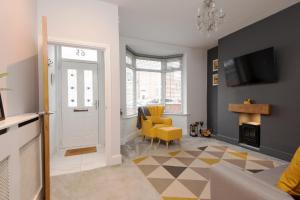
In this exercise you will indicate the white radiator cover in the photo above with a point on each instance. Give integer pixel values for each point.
(4, 180)
(20, 158)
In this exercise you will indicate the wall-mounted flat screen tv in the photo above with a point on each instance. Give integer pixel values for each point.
(254, 68)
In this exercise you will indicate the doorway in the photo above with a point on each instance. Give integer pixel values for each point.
(76, 97)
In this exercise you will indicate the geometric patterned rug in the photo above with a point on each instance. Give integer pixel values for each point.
(184, 174)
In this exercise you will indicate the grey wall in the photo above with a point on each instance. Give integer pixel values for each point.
(212, 92)
(279, 132)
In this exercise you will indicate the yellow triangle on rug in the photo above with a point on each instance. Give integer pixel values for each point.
(210, 161)
(138, 160)
(174, 153)
(242, 155)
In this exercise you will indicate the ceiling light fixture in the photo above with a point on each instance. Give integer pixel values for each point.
(209, 17)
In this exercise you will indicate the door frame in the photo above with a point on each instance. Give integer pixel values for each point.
(46, 138)
(105, 87)
(100, 97)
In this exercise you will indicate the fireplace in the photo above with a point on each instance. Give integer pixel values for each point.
(250, 121)
(250, 134)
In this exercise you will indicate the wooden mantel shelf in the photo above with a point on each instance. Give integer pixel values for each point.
(263, 109)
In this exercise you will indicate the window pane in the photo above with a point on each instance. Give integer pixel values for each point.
(72, 87)
(173, 65)
(130, 105)
(79, 54)
(148, 64)
(128, 60)
(148, 88)
(173, 92)
(88, 88)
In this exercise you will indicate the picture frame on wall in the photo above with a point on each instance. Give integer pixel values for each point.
(215, 79)
(215, 65)
(2, 115)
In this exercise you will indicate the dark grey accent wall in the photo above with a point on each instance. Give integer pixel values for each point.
(212, 92)
(280, 132)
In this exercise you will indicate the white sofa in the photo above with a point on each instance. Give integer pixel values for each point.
(231, 183)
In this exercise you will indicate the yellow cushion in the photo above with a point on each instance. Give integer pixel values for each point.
(156, 111)
(169, 133)
(290, 179)
(152, 132)
(155, 119)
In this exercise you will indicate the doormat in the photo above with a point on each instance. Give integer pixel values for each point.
(79, 151)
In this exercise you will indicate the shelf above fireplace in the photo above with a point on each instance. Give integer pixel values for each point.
(263, 109)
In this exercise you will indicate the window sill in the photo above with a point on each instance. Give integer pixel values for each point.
(177, 114)
(166, 114)
(128, 117)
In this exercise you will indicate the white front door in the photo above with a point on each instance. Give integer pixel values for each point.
(80, 122)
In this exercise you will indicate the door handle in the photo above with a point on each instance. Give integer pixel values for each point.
(81, 110)
(46, 113)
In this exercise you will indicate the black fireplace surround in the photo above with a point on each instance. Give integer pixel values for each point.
(250, 135)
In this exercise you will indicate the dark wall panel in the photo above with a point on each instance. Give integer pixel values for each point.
(212, 92)
(280, 133)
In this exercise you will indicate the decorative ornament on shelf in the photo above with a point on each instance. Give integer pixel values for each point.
(248, 101)
(209, 17)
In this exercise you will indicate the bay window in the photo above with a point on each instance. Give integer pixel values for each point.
(151, 81)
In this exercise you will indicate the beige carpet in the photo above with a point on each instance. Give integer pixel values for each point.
(184, 174)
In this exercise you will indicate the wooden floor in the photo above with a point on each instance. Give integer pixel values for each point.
(79, 151)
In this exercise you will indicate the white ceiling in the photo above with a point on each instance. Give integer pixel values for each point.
(173, 21)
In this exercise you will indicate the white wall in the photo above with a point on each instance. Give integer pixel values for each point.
(93, 22)
(194, 75)
(128, 129)
(18, 56)
(197, 85)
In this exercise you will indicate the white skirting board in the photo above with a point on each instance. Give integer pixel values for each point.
(39, 195)
(115, 160)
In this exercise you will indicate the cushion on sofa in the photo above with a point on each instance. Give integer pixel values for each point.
(290, 179)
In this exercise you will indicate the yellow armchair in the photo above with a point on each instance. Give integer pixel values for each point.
(155, 121)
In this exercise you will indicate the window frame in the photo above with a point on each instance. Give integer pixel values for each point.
(164, 61)
(132, 67)
(180, 59)
(78, 60)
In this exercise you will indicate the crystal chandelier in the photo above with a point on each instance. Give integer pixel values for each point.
(209, 17)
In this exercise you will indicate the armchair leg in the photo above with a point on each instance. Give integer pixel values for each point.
(158, 143)
(167, 144)
(151, 142)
